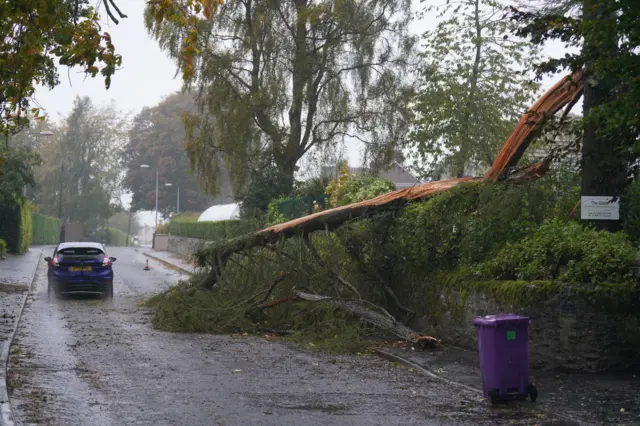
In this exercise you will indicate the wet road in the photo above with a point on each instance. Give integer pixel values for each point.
(94, 362)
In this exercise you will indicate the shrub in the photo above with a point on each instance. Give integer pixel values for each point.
(25, 226)
(274, 215)
(211, 231)
(3, 248)
(347, 188)
(266, 184)
(46, 230)
(565, 251)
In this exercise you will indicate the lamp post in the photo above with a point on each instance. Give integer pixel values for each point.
(146, 166)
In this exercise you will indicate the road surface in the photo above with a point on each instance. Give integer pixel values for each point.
(93, 362)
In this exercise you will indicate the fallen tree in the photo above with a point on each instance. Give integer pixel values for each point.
(565, 92)
(215, 257)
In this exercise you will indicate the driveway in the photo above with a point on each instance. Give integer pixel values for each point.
(93, 362)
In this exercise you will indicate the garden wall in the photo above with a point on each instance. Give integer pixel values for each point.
(184, 246)
(573, 328)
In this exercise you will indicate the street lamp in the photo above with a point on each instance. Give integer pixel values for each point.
(178, 200)
(146, 166)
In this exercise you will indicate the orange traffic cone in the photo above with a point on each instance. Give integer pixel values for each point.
(146, 267)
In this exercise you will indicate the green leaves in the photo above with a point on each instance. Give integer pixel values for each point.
(565, 251)
(472, 92)
(278, 79)
(37, 32)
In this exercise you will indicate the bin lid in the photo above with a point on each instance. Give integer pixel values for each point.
(494, 320)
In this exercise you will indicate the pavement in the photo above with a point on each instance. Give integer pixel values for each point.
(86, 361)
(585, 399)
(168, 259)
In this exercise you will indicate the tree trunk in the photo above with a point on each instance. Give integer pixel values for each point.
(604, 167)
(461, 159)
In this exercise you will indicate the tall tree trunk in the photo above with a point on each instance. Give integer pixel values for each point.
(604, 167)
(473, 87)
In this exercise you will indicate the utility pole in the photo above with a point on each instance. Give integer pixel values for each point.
(126, 243)
(178, 205)
(156, 200)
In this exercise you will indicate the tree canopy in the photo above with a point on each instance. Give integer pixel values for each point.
(277, 79)
(81, 177)
(36, 35)
(475, 84)
(603, 37)
(156, 139)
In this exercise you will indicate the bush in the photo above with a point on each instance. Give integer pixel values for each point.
(25, 226)
(210, 231)
(46, 230)
(348, 189)
(111, 236)
(565, 251)
(3, 248)
(266, 184)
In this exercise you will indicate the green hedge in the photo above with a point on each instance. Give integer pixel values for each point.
(15, 225)
(46, 230)
(210, 231)
(117, 238)
(25, 226)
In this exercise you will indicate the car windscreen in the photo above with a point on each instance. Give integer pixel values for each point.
(70, 253)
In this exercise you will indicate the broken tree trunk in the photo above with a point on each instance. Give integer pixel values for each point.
(382, 320)
(563, 93)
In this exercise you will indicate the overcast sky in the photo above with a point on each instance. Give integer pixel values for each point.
(147, 75)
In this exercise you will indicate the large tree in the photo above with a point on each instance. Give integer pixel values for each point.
(277, 78)
(156, 139)
(603, 37)
(475, 85)
(81, 178)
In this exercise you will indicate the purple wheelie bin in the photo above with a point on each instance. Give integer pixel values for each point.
(503, 343)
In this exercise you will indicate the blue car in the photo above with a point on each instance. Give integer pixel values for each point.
(80, 268)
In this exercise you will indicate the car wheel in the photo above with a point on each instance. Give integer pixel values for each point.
(108, 291)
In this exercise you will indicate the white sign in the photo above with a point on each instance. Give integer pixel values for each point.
(600, 208)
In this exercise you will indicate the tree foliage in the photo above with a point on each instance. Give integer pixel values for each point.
(157, 139)
(278, 78)
(81, 178)
(603, 39)
(350, 188)
(475, 84)
(36, 33)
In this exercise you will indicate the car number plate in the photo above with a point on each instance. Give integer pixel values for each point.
(80, 268)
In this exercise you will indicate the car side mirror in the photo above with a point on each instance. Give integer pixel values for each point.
(47, 259)
(112, 259)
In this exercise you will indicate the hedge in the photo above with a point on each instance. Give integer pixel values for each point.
(210, 231)
(25, 226)
(46, 229)
(15, 226)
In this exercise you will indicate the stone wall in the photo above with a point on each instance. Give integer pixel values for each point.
(572, 329)
(184, 246)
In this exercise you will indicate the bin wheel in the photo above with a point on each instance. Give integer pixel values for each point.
(493, 396)
(533, 392)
